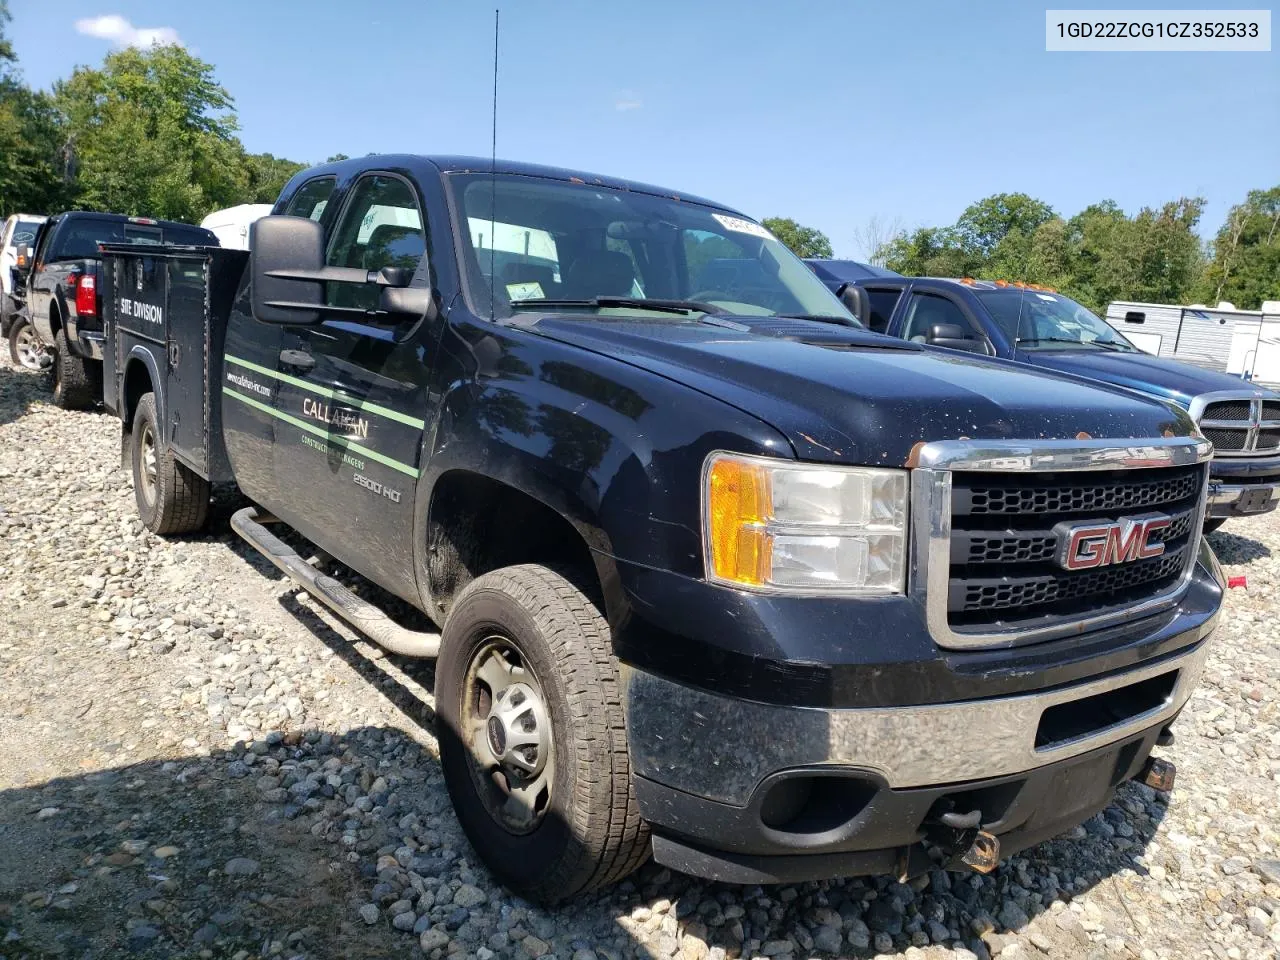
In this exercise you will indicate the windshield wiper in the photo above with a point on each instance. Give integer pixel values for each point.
(1074, 343)
(643, 303)
(822, 318)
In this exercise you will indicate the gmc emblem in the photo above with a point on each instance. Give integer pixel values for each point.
(1090, 543)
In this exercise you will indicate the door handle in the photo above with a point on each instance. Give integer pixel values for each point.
(298, 359)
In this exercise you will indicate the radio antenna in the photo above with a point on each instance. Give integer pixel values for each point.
(493, 177)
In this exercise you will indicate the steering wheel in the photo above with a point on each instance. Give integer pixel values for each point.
(710, 296)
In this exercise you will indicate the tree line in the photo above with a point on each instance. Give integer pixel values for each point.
(148, 133)
(1098, 256)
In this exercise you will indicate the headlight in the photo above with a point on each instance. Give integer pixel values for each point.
(803, 528)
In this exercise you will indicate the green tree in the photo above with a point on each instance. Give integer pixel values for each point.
(267, 176)
(153, 134)
(801, 240)
(929, 252)
(985, 224)
(1245, 268)
(33, 175)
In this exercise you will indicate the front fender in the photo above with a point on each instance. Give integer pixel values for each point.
(614, 449)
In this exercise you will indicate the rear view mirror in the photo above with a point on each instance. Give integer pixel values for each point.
(952, 335)
(856, 301)
(285, 244)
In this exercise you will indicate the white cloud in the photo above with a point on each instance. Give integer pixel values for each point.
(627, 100)
(122, 33)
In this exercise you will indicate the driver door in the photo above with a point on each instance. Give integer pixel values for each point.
(353, 393)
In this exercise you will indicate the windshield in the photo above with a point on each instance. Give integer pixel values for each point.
(24, 231)
(551, 244)
(1049, 321)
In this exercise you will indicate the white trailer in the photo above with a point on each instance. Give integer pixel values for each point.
(231, 226)
(1243, 342)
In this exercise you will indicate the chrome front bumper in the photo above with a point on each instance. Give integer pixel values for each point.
(722, 748)
(1241, 499)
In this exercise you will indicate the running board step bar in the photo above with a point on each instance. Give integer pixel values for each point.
(361, 614)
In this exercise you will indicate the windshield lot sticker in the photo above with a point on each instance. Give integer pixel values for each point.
(738, 225)
(531, 290)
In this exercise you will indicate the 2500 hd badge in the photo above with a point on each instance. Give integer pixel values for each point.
(376, 487)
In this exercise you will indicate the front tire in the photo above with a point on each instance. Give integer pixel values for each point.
(171, 497)
(1213, 523)
(532, 735)
(24, 345)
(73, 377)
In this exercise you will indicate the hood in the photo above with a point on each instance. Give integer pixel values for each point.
(846, 395)
(1170, 379)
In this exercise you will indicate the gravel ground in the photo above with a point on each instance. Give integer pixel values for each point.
(198, 762)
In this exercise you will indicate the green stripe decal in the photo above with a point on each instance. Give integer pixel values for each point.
(325, 435)
(344, 398)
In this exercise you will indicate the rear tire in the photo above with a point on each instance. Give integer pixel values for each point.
(74, 377)
(171, 497)
(24, 345)
(587, 833)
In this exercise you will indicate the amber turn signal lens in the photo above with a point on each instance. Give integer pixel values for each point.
(737, 506)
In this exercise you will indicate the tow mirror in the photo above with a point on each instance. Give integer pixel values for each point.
(856, 301)
(23, 255)
(288, 277)
(952, 335)
(285, 245)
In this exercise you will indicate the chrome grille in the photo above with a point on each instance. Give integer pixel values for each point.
(1238, 425)
(987, 536)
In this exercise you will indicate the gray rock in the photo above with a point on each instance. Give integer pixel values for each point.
(469, 896)
(404, 921)
(433, 939)
(369, 913)
(241, 867)
(827, 939)
(1269, 870)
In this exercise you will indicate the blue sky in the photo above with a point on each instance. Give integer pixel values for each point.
(828, 112)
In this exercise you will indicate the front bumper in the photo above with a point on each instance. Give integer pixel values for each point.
(745, 791)
(1242, 499)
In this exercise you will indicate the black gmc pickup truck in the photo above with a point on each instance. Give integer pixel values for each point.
(721, 577)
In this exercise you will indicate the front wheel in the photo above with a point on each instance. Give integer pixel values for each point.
(24, 346)
(532, 735)
(171, 497)
(1213, 523)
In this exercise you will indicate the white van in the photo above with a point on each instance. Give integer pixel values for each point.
(231, 226)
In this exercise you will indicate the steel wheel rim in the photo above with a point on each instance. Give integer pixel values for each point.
(507, 733)
(25, 346)
(150, 471)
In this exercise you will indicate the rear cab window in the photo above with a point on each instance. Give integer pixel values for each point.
(311, 199)
(883, 300)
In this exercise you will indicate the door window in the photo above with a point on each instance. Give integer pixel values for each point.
(311, 199)
(883, 300)
(929, 309)
(380, 227)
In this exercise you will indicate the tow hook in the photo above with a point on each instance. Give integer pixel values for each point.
(984, 853)
(1158, 774)
(961, 840)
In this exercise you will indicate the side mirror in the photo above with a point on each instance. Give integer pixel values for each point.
(285, 245)
(856, 301)
(288, 276)
(23, 255)
(951, 335)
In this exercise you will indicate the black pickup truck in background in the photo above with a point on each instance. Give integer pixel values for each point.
(720, 576)
(62, 291)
